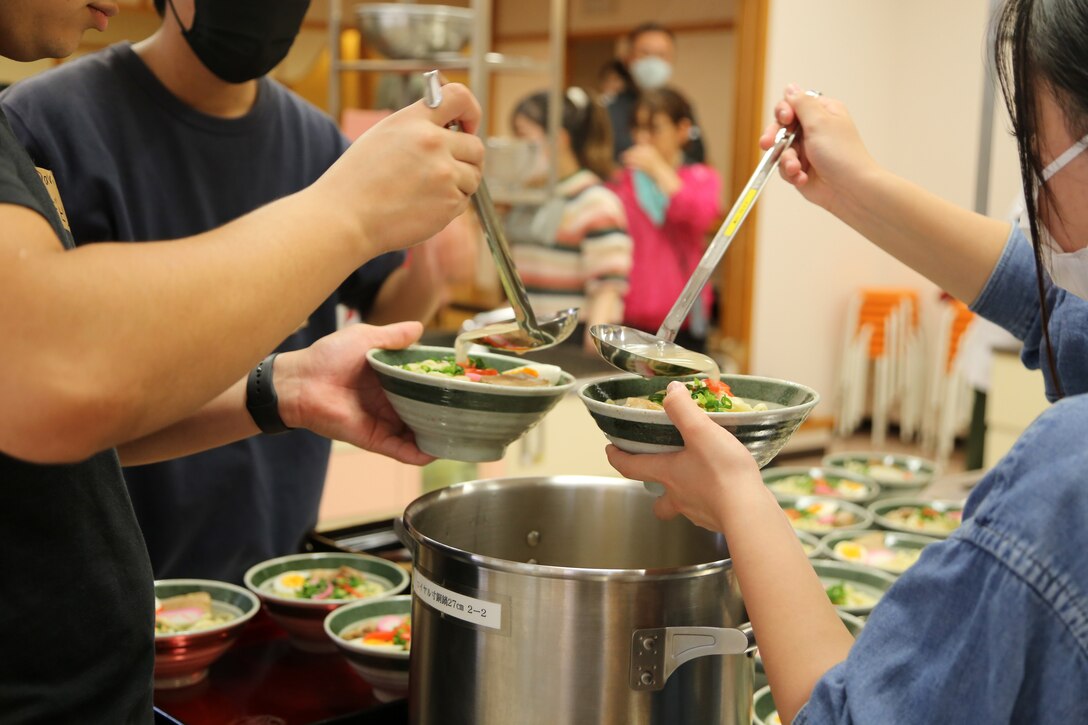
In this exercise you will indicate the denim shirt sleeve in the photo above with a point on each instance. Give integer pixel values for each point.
(1010, 299)
(990, 626)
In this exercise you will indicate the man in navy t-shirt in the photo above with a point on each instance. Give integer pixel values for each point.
(154, 350)
(153, 142)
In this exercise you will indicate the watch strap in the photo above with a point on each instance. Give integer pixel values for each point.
(261, 400)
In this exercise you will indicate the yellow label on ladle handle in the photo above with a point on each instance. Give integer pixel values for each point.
(742, 211)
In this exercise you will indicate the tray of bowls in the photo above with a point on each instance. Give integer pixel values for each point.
(861, 552)
(351, 603)
(198, 620)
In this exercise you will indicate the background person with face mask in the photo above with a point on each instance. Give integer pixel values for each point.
(651, 55)
(992, 623)
(174, 136)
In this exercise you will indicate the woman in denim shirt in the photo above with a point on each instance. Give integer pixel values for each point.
(990, 626)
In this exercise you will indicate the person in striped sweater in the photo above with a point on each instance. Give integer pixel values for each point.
(574, 250)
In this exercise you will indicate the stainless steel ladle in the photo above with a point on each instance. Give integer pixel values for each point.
(649, 355)
(525, 332)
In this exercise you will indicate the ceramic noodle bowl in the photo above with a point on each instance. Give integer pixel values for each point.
(636, 430)
(456, 418)
(384, 667)
(182, 657)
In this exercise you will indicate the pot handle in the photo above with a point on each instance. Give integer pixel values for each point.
(656, 652)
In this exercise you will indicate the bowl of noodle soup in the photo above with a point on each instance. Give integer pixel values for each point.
(929, 517)
(820, 481)
(196, 621)
(763, 413)
(852, 588)
(898, 474)
(467, 412)
(356, 630)
(821, 515)
(890, 551)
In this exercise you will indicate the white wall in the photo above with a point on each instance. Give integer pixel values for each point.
(912, 76)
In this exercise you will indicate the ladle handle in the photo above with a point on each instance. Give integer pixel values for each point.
(716, 250)
(493, 231)
(500, 251)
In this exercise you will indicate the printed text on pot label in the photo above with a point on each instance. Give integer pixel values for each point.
(476, 611)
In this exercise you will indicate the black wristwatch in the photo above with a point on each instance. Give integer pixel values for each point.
(261, 400)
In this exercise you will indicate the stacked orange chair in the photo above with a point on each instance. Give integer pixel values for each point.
(883, 338)
(948, 397)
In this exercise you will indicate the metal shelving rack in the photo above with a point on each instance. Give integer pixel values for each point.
(480, 63)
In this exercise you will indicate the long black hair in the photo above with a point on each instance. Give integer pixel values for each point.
(1040, 46)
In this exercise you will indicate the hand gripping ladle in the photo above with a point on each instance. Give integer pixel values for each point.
(525, 332)
(639, 352)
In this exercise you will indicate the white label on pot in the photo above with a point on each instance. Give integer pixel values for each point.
(476, 611)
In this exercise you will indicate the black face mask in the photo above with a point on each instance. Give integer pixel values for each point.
(239, 40)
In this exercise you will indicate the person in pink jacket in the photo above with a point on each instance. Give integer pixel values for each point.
(670, 206)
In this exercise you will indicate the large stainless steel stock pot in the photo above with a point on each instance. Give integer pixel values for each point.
(564, 600)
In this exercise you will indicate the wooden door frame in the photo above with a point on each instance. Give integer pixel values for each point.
(736, 275)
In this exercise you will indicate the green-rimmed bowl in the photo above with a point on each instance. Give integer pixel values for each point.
(864, 579)
(853, 624)
(304, 619)
(898, 474)
(847, 485)
(878, 550)
(830, 514)
(460, 419)
(880, 510)
(763, 709)
(636, 430)
(183, 658)
(385, 668)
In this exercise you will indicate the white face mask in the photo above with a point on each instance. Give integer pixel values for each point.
(537, 175)
(1068, 270)
(651, 72)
